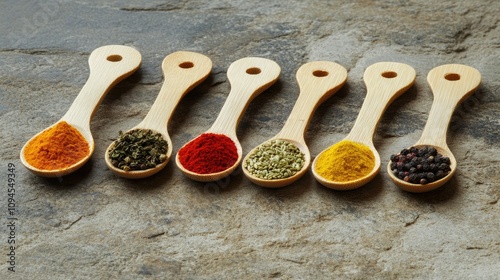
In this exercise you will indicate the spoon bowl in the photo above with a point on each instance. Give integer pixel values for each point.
(63, 171)
(182, 72)
(278, 183)
(419, 188)
(108, 66)
(210, 177)
(385, 81)
(450, 84)
(352, 184)
(249, 77)
(317, 81)
(138, 174)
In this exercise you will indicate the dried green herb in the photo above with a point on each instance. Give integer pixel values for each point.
(138, 149)
(275, 159)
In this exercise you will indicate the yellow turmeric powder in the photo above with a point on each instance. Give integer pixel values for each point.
(345, 161)
(56, 148)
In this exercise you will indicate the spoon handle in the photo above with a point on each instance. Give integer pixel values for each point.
(317, 81)
(182, 72)
(450, 85)
(385, 81)
(108, 66)
(248, 77)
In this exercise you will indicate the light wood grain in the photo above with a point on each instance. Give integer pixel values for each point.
(317, 81)
(385, 81)
(182, 72)
(108, 66)
(450, 84)
(248, 77)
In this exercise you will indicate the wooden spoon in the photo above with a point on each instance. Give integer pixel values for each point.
(317, 82)
(385, 81)
(182, 72)
(248, 77)
(450, 84)
(108, 66)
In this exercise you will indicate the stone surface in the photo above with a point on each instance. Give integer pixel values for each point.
(93, 224)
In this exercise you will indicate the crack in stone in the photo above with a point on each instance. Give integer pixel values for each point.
(74, 222)
(293, 261)
(474, 248)
(217, 83)
(415, 218)
(158, 8)
(42, 51)
(276, 274)
(33, 199)
(153, 9)
(154, 235)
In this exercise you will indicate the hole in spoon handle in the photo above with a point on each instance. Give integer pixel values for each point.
(182, 72)
(385, 81)
(108, 66)
(318, 81)
(450, 84)
(249, 77)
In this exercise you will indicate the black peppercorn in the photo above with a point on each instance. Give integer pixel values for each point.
(439, 174)
(413, 177)
(445, 160)
(394, 158)
(420, 165)
(425, 167)
(430, 176)
(433, 167)
(430, 159)
(438, 158)
(444, 167)
(393, 165)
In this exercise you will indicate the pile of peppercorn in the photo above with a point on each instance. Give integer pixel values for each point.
(420, 165)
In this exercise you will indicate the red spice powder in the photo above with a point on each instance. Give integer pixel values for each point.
(209, 153)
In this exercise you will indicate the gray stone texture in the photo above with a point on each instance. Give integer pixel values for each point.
(93, 224)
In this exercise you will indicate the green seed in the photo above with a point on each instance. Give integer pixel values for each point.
(275, 159)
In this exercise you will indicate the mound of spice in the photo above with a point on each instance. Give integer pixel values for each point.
(58, 147)
(420, 165)
(138, 149)
(345, 161)
(275, 159)
(208, 153)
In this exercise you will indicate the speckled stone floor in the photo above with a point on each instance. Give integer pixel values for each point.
(93, 224)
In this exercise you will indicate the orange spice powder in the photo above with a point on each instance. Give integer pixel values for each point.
(56, 148)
